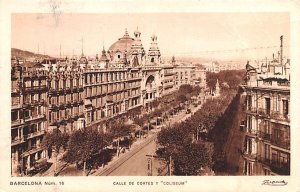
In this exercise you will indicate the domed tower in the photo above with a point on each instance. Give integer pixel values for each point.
(119, 50)
(154, 53)
(103, 61)
(137, 51)
(173, 61)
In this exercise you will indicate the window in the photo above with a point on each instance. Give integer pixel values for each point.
(267, 172)
(14, 116)
(268, 105)
(249, 123)
(267, 151)
(249, 102)
(267, 127)
(285, 107)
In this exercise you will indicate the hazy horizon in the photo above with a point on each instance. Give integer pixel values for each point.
(224, 36)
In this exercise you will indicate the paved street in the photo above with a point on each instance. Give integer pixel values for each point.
(137, 165)
(134, 162)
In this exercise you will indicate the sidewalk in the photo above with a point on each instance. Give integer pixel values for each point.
(116, 161)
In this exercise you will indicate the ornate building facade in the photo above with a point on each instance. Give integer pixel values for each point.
(69, 94)
(29, 103)
(267, 124)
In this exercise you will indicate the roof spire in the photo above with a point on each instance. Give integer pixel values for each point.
(126, 35)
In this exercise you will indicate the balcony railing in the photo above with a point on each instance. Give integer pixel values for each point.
(248, 155)
(15, 90)
(252, 132)
(53, 90)
(280, 168)
(281, 142)
(16, 141)
(265, 136)
(251, 110)
(36, 117)
(32, 149)
(34, 134)
(281, 117)
(264, 112)
(17, 122)
(16, 105)
(35, 88)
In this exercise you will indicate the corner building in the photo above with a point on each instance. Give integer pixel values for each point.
(267, 124)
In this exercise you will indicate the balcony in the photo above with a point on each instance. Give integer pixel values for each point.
(281, 142)
(265, 136)
(27, 105)
(17, 122)
(62, 105)
(16, 106)
(264, 112)
(17, 141)
(35, 88)
(32, 118)
(249, 156)
(280, 168)
(252, 110)
(170, 73)
(32, 149)
(252, 132)
(53, 106)
(34, 134)
(61, 90)
(15, 90)
(280, 117)
(69, 104)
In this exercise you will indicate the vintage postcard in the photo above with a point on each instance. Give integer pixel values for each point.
(150, 96)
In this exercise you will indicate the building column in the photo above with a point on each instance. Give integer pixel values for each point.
(22, 132)
(247, 145)
(254, 148)
(28, 162)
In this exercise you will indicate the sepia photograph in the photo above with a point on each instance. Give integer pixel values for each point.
(138, 93)
(109, 94)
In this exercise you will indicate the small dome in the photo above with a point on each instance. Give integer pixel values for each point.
(83, 60)
(124, 43)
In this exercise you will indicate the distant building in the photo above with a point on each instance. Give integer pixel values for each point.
(267, 124)
(216, 66)
(185, 75)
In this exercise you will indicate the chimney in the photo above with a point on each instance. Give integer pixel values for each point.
(281, 49)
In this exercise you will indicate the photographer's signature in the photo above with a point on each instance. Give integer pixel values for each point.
(274, 183)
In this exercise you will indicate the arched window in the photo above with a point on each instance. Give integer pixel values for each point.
(152, 60)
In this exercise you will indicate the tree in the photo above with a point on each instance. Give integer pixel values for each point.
(181, 98)
(55, 140)
(83, 145)
(196, 91)
(119, 130)
(191, 159)
(185, 89)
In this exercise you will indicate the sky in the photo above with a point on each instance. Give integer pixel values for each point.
(179, 34)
